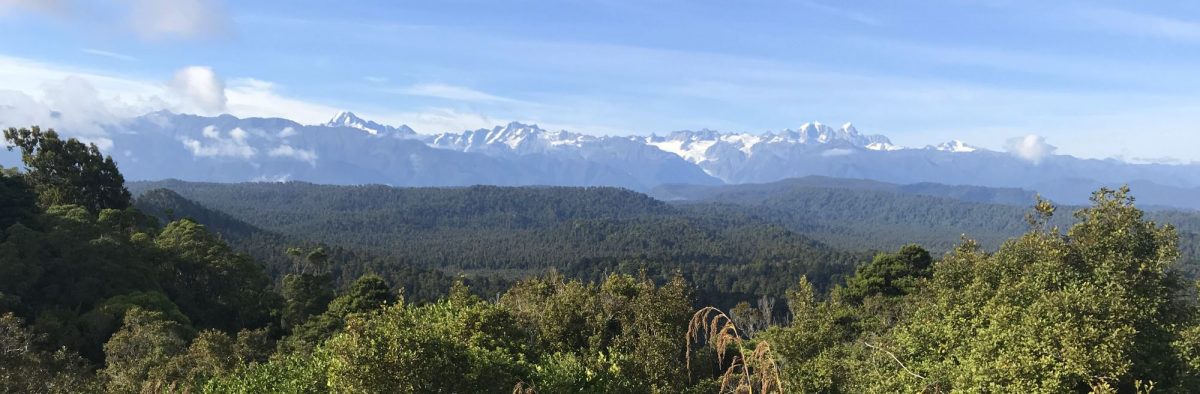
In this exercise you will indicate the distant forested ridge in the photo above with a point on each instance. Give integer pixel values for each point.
(587, 231)
(860, 214)
(507, 232)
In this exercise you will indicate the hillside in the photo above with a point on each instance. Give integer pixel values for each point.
(488, 231)
(270, 247)
(861, 214)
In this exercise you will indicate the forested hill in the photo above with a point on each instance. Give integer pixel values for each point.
(874, 215)
(492, 229)
(271, 248)
(498, 232)
(861, 214)
(967, 193)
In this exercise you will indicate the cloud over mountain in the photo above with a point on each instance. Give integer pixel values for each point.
(200, 89)
(1030, 147)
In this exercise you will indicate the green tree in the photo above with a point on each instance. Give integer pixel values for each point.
(212, 284)
(140, 350)
(461, 344)
(366, 294)
(890, 274)
(18, 203)
(69, 172)
(26, 369)
(1051, 312)
(309, 289)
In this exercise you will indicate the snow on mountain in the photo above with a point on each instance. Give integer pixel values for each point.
(954, 146)
(708, 145)
(645, 165)
(350, 150)
(514, 138)
(348, 119)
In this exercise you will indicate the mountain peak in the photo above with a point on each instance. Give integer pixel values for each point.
(849, 128)
(518, 124)
(349, 119)
(345, 118)
(954, 146)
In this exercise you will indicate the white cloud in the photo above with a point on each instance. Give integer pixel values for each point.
(77, 104)
(450, 92)
(216, 146)
(154, 19)
(30, 90)
(1030, 147)
(252, 97)
(272, 178)
(287, 132)
(374, 79)
(71, 104)
(285, 150)
(110, 55)
(200, 89)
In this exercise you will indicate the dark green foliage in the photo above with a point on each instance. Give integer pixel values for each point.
(69, 172)
(305, 295)
(20, 202)
(890, 274)
(211, 283)
(75, 271)
(366, 294)
(419, 284)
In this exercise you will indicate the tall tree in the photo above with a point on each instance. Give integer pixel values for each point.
(212, 284)
(308, 291)
(69, 172)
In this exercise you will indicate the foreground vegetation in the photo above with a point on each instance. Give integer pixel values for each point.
(96, 296)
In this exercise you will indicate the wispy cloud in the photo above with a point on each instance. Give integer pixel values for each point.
(110, 55)
(217, 146)
(1140, 24)
(285, 150)
(374, 79)
(152, 20)
(157, 19)
(450, 92)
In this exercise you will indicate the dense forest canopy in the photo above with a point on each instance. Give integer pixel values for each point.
(496, 234)
(99, 293)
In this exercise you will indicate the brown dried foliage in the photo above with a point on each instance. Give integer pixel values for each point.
(748, 372)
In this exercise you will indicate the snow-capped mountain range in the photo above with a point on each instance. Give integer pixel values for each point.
(352, 150)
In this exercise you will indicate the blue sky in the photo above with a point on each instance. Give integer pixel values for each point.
(1095, 79)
